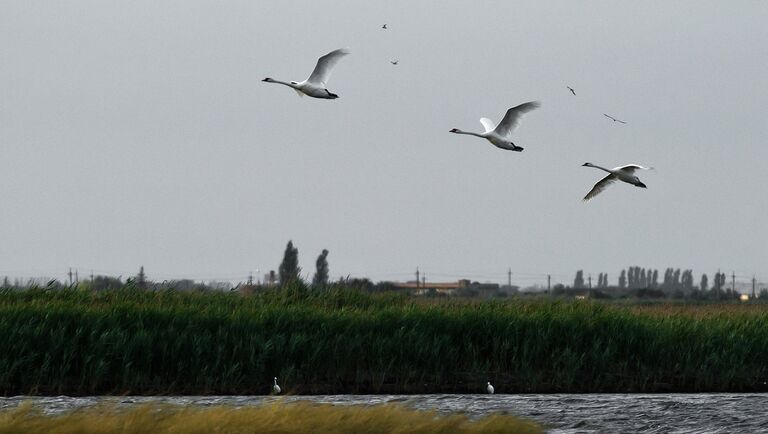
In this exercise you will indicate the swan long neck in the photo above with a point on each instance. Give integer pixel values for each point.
(284, 83)
(600, 167)
(469, 133)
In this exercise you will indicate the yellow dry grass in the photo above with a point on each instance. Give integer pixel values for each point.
(273, 418)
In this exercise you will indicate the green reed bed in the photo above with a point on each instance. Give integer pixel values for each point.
(343, 341)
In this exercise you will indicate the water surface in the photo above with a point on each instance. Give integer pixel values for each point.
(587, 413)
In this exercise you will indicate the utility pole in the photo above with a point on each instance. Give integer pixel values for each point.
(250, 278)
(733, 282)
(509, 277)
(549, 281)
(423, 280)
(70, 276)
(417, 277)
(77, 277)
(590, 281)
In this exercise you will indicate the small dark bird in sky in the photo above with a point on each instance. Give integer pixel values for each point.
(613, 119)
(394, 62)
(384, 27)
(571, 89)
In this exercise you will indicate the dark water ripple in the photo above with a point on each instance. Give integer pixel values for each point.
(590, 413)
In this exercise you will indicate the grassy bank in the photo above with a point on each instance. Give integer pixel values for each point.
(344, 341)
(299, 417)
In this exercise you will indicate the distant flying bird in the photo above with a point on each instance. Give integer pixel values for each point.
(613, 118)
(489, 388)
(384, 27)
(394, 62)
(622, 173)
(571, 89)
(275, 387)
(315, 85)
(499, 135)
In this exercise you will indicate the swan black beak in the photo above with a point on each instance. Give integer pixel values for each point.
(641, 185)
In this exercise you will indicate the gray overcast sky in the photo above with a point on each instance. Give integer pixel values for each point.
(139, 133)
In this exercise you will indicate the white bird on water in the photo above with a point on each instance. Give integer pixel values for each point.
(316, 85)
(489, 388)
(499, 135)
(275, 388)
(622, 173)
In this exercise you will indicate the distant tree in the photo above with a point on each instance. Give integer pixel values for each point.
(689, 283)
(578, 282)
(717, 286)
(623, 279)
(289, 269)
(704, 283)
(141, 279)
(631, 277)
(321, 270)
(101, 283)
(721, 284)
(6, 282)
(655, 279)
(668, 279)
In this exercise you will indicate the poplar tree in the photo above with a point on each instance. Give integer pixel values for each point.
(289, 269)
(578, 282)
(321, 270)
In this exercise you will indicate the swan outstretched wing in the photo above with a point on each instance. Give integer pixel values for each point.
(325, 64)
(511, 119)
(487, 124)
(600, 186)
(632, 167)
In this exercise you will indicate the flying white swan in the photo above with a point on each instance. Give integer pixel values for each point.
(500, 135)
(489, 388)
(275, 387)
(315, 85)
(622, 173)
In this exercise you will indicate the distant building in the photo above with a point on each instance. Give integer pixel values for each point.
(426, 288)
(462, 287)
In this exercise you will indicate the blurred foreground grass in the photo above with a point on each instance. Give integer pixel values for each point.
(278, 417)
